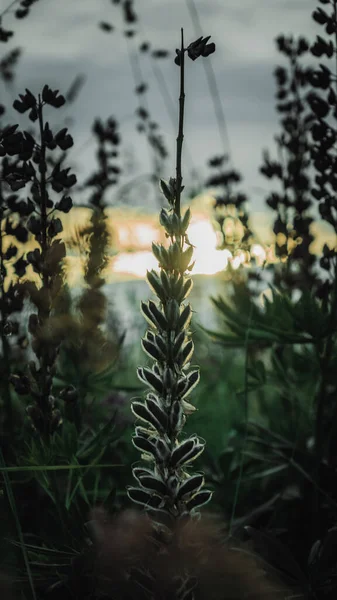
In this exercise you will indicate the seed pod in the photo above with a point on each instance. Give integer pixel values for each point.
(185, 354)
(176, 224)
(148, 377)
(184, 318)
(165, 283)
(153, 483)
(176, 416)
(177, 288)
(143, 497)
(157, 411)
(187, 287)
(138, 471)
(148, 315)
(192, 380)
(158, 315)
(197, 450)
(145, 433)
(172, 312)
(181, 385)
(161, 255)
(168, 379)
(161, 343)
(185, 221)
(152, 350)
(167, 191)
(175, 255)
(142, 444)
(155, 284)
(186, 258)
(190, 485)
(174, 277)
(190, 450)
(181, 451)
(165, 220)
(178, 342)
(157, 370)
(150, 336)
(162, 450)
(201, 498)
(165, 257)
(142, 412)
(156, 249)
(155, 397)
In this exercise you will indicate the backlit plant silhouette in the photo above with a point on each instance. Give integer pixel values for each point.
(46, 259)
(165, 487)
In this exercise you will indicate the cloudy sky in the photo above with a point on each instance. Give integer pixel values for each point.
(61, 39)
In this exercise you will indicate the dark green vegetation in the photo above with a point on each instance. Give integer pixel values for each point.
(267, 416)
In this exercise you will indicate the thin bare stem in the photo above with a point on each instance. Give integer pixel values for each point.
(180, 137)
(170, 106)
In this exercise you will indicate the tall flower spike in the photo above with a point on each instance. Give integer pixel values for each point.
(165, 487)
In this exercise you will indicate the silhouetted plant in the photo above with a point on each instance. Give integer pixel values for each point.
(11, 297)
(46, 260)
(8, 63)
(88, 349)
(165, 487)
(295, 527)
(293, 205)
(229, 207)
(324, 135)
(20, 10)
(145, 124)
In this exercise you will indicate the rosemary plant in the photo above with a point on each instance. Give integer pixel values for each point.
(165, 487)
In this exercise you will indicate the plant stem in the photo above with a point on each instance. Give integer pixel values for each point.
(180, 137)
(45, 312)
(8, 424)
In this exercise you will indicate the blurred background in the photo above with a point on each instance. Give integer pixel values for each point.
(62, 40)
(115, 60)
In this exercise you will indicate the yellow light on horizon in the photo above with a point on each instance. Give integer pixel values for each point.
(208, 260)
(135, 263)
(259, 253)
